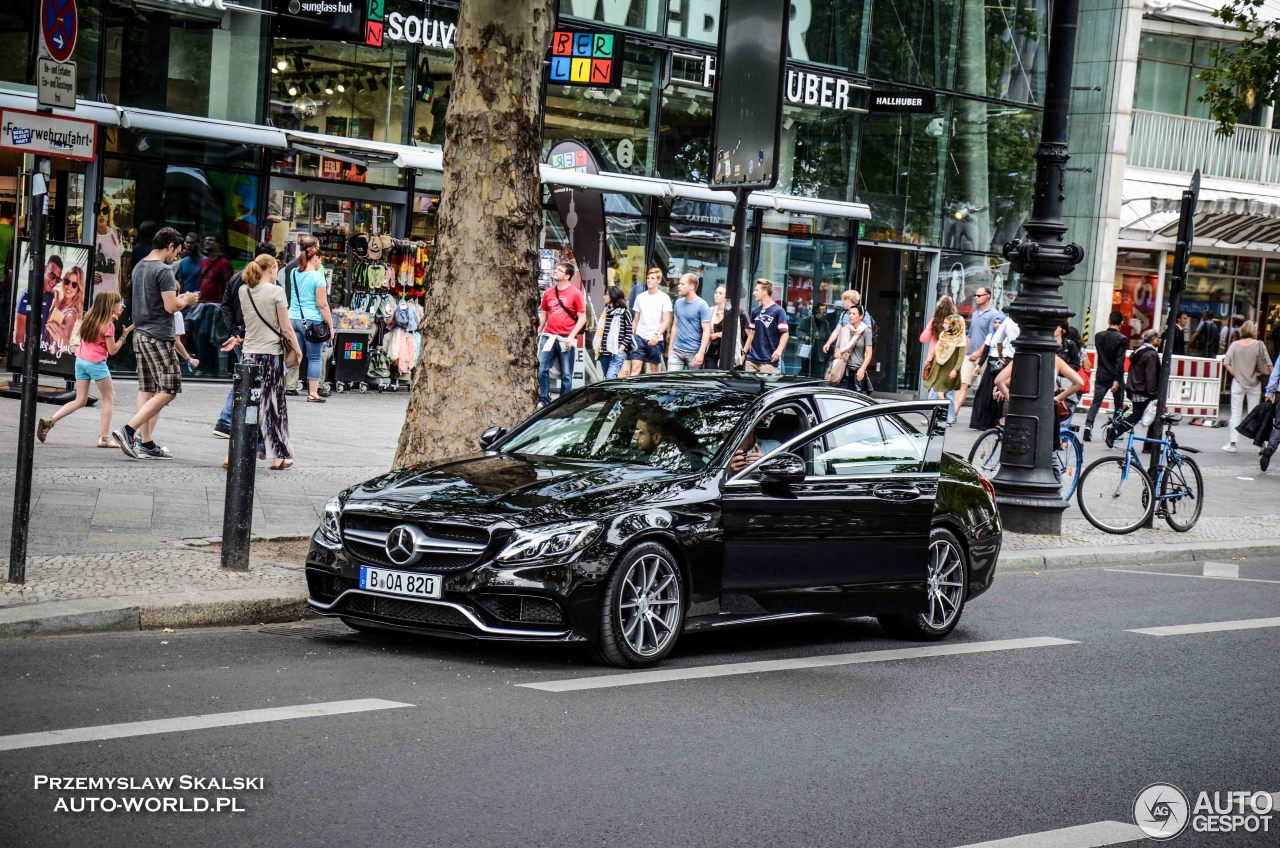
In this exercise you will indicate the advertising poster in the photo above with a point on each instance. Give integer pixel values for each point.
(67, 271)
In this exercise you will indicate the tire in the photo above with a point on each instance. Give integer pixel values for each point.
(985, 453)
(1068, 460)
(948, 587)
(629, 628)
(1113, 501)
(340, 388)
(364, 387)
(1182, 513)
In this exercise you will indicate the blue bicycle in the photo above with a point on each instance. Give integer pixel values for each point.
(1118, 495)
(985, 456)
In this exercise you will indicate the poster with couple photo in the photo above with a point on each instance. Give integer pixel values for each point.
(64, 287)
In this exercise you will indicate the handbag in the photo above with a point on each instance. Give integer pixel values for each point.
(835, 371)
(928, 367)
(315, 332)
(1259, 419)
(292, 355)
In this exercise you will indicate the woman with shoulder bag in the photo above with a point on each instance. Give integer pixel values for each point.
(269, 341)
(945, 335)
(312, 321)
(856, 350)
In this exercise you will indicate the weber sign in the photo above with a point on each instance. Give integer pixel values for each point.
(47, 135)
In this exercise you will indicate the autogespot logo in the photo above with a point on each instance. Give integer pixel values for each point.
(1161, 811)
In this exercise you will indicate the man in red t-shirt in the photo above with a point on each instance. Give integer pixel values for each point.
(561, 317)
(215, 272)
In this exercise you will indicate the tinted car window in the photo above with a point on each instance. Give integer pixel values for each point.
(882, 444)
(679, 429)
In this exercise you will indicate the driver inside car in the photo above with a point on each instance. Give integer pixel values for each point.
(747, 453)
(665, 443)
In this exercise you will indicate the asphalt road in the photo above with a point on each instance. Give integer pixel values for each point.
(941, 751)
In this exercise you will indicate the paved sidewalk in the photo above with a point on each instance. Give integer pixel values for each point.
(110, 545)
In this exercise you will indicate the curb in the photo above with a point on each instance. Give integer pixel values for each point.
(1062, 559)
(220, 608)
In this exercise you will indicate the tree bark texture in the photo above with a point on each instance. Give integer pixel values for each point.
(479, 360)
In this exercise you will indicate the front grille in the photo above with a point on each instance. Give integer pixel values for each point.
(522, 608)
(325, 586)
(362, 535)
(406, 611)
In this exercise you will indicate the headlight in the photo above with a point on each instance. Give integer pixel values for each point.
(329, 531)
(545, 542)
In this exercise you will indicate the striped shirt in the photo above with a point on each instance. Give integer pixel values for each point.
(617, 330)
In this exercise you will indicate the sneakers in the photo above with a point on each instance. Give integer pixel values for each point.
(1109, 436)
(1264, 458)
(1087, 435)
(1229, 447)
(43, 428)
(154, 452)
(222, 431)
(125, 443)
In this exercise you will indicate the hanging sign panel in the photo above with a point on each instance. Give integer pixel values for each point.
(748, 98)
(585, 58)
(47, 135)
(322, 20)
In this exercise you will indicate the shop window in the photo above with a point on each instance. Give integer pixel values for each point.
(632, 14)
(829, 32)
(1134, 296)
(186, 58)
(19, 33)
(176, 148)
(818, 153)
(809, 276)
(685, 141)
(140, 197)
(614, 123)
(912, 42)
(898, 175)
(626, 239)
(990, 174)
(345, 91)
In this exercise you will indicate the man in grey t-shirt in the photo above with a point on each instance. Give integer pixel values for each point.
(155, 300)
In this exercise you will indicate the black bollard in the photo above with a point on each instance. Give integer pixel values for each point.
(237, 513)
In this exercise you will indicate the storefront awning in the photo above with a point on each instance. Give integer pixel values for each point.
(88, 110)
(229, 132)
(1235, 220)
(369, 152)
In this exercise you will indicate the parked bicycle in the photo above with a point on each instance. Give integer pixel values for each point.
(1067, 458)
(1117, 494)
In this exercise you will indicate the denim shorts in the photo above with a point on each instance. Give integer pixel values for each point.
(645, 352)
(93, 371)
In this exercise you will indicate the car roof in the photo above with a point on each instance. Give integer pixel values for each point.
(739, 381)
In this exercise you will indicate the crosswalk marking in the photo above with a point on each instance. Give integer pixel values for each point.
(636, 678)
(1209, 627)
(196, 722)
(1081, 836)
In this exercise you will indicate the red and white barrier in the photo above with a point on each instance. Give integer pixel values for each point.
(1195, 387)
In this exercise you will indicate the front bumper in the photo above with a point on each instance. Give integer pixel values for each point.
(541, 603)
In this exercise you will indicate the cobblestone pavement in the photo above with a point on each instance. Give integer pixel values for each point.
(106, 526)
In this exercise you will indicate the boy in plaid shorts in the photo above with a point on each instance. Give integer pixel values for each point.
(155, 300)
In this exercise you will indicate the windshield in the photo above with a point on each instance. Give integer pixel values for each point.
(679, 428)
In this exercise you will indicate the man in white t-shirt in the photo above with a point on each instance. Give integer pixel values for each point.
(651, 322)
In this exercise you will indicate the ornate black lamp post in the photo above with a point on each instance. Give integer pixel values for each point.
(1029, 493)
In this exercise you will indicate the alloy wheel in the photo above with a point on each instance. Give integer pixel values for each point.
(946, 583)
(649, 604)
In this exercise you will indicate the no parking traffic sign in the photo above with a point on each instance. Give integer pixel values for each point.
(59, 22)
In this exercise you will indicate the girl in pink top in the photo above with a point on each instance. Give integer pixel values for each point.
(97, 343)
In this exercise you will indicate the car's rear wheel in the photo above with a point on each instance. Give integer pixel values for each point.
(948, 577)
(643, 609)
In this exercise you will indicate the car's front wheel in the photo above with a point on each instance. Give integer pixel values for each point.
(947, 579)
(643, 608)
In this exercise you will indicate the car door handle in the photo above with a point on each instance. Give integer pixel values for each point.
(896, 492)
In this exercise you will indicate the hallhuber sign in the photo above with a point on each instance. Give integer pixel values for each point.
(908, 101)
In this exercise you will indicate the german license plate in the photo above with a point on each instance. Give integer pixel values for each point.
(406, 583)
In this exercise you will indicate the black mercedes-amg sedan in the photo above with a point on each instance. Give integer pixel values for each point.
(631, 511)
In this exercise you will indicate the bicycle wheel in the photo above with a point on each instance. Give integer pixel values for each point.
(1115, 496)
(1067, 460)
(1184, 490)
(985, 453)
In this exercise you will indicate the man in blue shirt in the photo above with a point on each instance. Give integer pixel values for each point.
(767, 333)
(691, 330)
(984, 314)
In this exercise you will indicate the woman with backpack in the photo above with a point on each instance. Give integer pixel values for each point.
(311, 319)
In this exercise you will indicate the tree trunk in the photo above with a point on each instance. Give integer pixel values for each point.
(479, 360)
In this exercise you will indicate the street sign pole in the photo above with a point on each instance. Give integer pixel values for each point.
(27, 416)
(1177, 282)
(731, 338)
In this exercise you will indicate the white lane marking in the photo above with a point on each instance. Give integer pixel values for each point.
(196, 722)
(1210, 627)
(1222, 569)
(1197, 576)
(1081, 836)
(636, 678)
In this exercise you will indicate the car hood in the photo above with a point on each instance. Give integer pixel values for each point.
(493, 488)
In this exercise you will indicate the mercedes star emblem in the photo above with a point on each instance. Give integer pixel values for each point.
(401, 545)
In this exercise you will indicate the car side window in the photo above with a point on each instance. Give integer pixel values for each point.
(873, 446)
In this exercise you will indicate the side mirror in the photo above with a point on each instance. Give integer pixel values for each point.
(783, 468)
(491, 436)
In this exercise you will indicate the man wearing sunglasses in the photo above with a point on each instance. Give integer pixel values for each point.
(52, 276)
(980, 324)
